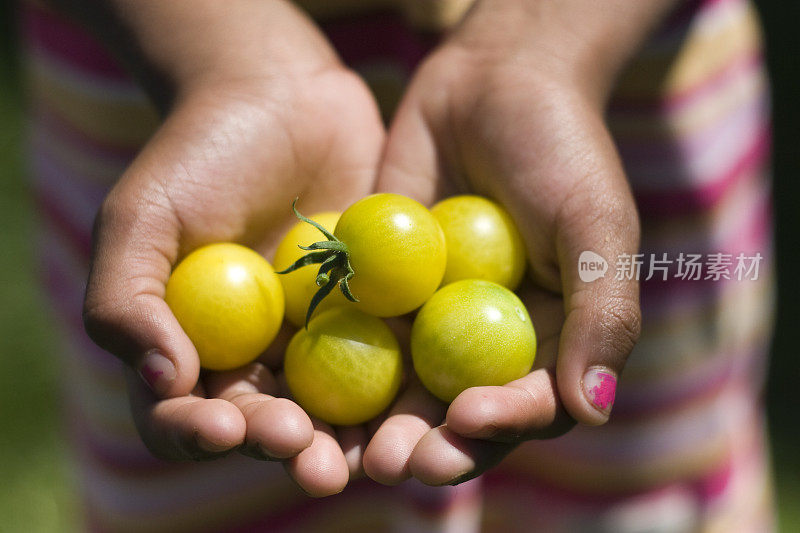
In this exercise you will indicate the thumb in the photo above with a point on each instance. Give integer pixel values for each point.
(135, 245)
(603, 318)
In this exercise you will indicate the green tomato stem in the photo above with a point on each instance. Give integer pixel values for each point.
(333, 256)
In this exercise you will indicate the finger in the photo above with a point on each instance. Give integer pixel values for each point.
(603, 318)
(353, 441)
(388, 452)
(411, 163)
(124, 310)
(185, 428)
(321, 469)
(277, 428)
(582, 203)
(523, 409)
(443, 457)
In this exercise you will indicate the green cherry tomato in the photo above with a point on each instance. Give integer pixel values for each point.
(397, 252)
(299, 286)
(345, 368)
(471, 333)
(482, 241)
(229, 302)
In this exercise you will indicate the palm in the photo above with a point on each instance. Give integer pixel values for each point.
(506, 134)
(235, 160)
(242, 163)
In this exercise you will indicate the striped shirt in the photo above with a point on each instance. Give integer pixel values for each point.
(685, 447)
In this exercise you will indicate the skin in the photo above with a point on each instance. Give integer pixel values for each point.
(253, 118)
(517, 115)
(258, 110)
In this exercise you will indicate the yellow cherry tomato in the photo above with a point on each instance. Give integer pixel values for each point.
(482, 241)
(345, 368)
(397, 252)
(228, 300)
(300, 285)
(471, 333)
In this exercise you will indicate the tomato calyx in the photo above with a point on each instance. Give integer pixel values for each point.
(333, 256)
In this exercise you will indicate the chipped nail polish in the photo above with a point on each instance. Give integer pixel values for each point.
(157, 371)
(600, 386)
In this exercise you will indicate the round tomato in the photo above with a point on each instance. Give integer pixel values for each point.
(345, 368)
(482, 241)
(300, 285)
(471, 333)
(397, 252)
(229, 302)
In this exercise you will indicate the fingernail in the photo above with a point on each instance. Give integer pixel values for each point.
(157, 371)
(461, 478)
(599, 386)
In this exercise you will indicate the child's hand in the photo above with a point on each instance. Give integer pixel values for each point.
(511, 107)
(261, 112)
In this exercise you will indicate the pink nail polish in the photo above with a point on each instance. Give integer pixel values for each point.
(157, 371)
(600, 386)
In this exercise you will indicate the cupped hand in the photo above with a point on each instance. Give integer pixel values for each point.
(519, 128)
(225, 165)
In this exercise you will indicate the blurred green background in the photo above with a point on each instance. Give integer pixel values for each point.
(36, 485)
